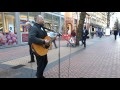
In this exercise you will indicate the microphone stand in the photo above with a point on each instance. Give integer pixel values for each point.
(59, 54)
(58, 34)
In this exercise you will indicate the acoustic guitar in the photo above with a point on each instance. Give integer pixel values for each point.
(41, 49)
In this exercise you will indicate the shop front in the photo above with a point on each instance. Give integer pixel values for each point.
(7, 29)
(13, 30)
(12, 27)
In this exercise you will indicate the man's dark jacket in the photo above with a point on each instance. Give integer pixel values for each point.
(84, 34)
(36, 34)
(115, 32)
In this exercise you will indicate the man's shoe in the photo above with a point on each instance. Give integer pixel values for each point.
(31, 61)
(43, 77)
(40, 77)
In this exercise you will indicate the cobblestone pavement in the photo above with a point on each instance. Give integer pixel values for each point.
(100, 59)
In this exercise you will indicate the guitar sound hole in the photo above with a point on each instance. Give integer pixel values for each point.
(46, 46)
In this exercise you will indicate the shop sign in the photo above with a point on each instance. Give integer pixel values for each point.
(24, 37)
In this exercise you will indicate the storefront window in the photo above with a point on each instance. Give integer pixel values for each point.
(8, 36)
(23, 20)
(48, 20)
(56, 21)
(9, 22)
(1, 23)
(62, 21)
(32, 15)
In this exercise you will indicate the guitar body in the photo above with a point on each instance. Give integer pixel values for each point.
(41, 49)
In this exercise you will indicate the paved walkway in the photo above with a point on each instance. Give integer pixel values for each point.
(100, 59)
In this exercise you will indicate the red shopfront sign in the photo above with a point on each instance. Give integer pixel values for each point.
(24, 37)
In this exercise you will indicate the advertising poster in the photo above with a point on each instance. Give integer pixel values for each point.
(11, 28)
(24, 37)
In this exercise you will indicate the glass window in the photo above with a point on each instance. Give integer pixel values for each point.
(1, 23)
(9, 19)
(48, 20)
(23, 20)
(48, 17)
(55, 22)
(32, 15)
(9, 32)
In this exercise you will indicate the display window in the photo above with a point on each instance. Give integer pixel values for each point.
(8, 34)
(9, 22)
(1, 23)
(23, 20)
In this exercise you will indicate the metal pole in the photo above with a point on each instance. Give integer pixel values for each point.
(59, 45)
(17, 23)
(3, 20)
(60, 28)
(27, 16)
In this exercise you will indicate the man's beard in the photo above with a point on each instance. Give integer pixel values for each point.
(42, 24)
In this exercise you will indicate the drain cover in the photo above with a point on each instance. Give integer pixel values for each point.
(18, 66)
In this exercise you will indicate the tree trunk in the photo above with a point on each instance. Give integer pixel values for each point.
(80, 27)
(108, 19)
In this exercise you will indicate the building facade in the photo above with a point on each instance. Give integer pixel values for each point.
(72, 20)
(12, 29)
(98, 20)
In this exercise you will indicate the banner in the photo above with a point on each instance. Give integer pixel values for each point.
(11, 28)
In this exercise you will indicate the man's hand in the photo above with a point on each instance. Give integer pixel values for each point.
(47, 42)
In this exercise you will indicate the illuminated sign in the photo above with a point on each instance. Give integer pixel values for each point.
(107, 31)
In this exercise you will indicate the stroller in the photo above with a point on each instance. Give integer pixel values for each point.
(72, 42)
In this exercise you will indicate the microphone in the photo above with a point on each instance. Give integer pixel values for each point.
(49, 29)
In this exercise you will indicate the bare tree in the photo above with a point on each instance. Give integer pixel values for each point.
(80, 27)
(109, 14)
(117, 24)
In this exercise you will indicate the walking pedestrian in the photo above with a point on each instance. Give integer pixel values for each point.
(115, 33)
(84, 36)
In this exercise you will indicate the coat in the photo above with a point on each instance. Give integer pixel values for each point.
(84, 34)
(36, 34)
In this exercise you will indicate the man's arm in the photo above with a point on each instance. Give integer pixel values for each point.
(32, 36)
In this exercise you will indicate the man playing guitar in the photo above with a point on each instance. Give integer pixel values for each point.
(36, 37)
